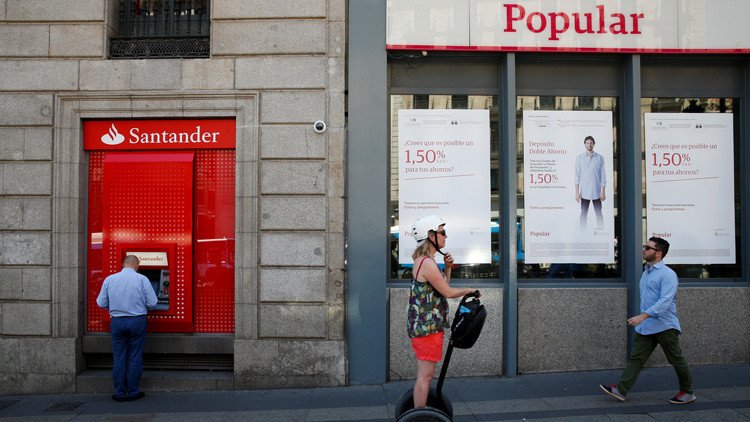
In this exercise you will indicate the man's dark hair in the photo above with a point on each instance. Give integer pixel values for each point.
(661, 244)
(587, 138)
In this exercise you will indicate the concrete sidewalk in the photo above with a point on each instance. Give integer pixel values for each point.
(723, 393)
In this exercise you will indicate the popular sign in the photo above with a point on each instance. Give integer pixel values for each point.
(644, 26)
(115, 135)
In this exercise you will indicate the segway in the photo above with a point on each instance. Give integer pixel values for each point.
(465, 330)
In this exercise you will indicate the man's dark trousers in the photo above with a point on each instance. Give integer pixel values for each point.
(643, 346)
(128, 338)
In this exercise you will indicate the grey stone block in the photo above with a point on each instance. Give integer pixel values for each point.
(25, 213)
(247, 179)
(25, 109)
(246, 286)
(37, 283)
(336, 293)
(337, 78)
(247, 214)
(24, 40)
(11, 143)
(50, 10)
(10, 350)
(484, 359)
(48, 355)
(268, 36)
(336, 324)
(289, 363)
(293, 249)
(293, 177)
(292, 321)
(571, 329)
(293, 212)
(37, 143)
(36, 75)
(208, 74)
(24, 383)
(246, 322)
(99, 75)
(11, 283)
(336, 105)
(336, 179)
(336, 249)
(24, 249)
(293, 107)
(28, 178)
(253, 9)
(291, 141)
(337, 40)
(337, 144)
(29, 319)
(336, 215)
(247, 252)
(337, 10)
(268, 72)
(159, 75)
(292, 285)
(78, 40)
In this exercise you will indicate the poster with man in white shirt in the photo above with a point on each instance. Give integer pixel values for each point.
(567, 174)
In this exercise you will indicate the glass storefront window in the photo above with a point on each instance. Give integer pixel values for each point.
(565, 270)
(447, 101)
(691, 161)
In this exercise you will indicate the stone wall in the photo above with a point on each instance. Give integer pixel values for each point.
(277, 66)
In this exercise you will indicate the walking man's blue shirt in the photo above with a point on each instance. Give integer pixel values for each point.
(126, 293)
(658, 299)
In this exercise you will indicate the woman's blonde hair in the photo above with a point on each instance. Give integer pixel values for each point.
(422, 250)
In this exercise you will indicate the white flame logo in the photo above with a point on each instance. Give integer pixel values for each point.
(113, 137)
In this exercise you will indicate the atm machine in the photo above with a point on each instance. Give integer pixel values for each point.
(156, 263)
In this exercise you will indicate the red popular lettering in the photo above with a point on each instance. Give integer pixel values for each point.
(559, 22)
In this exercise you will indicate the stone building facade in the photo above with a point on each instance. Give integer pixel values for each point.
(275, 67)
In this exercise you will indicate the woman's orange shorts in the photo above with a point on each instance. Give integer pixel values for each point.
(429, 347)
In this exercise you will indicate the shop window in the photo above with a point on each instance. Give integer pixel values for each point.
(437, 102)
(691, 182)
(162, 29)
(560, 238)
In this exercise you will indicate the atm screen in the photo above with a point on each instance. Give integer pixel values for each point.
(160, 282)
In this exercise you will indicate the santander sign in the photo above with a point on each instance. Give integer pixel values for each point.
(113, 135)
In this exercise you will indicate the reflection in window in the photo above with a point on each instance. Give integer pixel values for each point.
(564, 270)
(472, 102)
(700, 105)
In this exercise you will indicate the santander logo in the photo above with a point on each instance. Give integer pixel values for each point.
(113, 137)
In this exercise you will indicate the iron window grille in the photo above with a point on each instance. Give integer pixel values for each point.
(162, 29)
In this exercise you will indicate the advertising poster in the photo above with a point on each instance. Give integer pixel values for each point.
(568, 187)
(690, 185)
(444, 169)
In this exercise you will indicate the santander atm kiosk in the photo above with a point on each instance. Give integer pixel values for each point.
(164, 190)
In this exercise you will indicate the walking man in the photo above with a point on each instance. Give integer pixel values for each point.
(127, 296)
(656, 324)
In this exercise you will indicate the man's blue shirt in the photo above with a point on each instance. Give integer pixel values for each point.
(590, 175)
(126, 293)
(658, 299)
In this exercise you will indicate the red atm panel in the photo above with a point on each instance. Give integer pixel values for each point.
(141, 215)
(148, 200)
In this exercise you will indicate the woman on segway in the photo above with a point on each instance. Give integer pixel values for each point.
(428, 307)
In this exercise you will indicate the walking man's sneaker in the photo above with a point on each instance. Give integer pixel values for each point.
(614, 392)
(682, 397)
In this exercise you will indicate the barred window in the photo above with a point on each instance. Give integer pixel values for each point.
(162, 29)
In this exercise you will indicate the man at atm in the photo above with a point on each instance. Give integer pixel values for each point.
(127, 296)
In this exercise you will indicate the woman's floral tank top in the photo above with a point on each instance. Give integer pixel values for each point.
(428, 309)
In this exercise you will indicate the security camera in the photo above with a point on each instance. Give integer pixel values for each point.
(319, 126)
